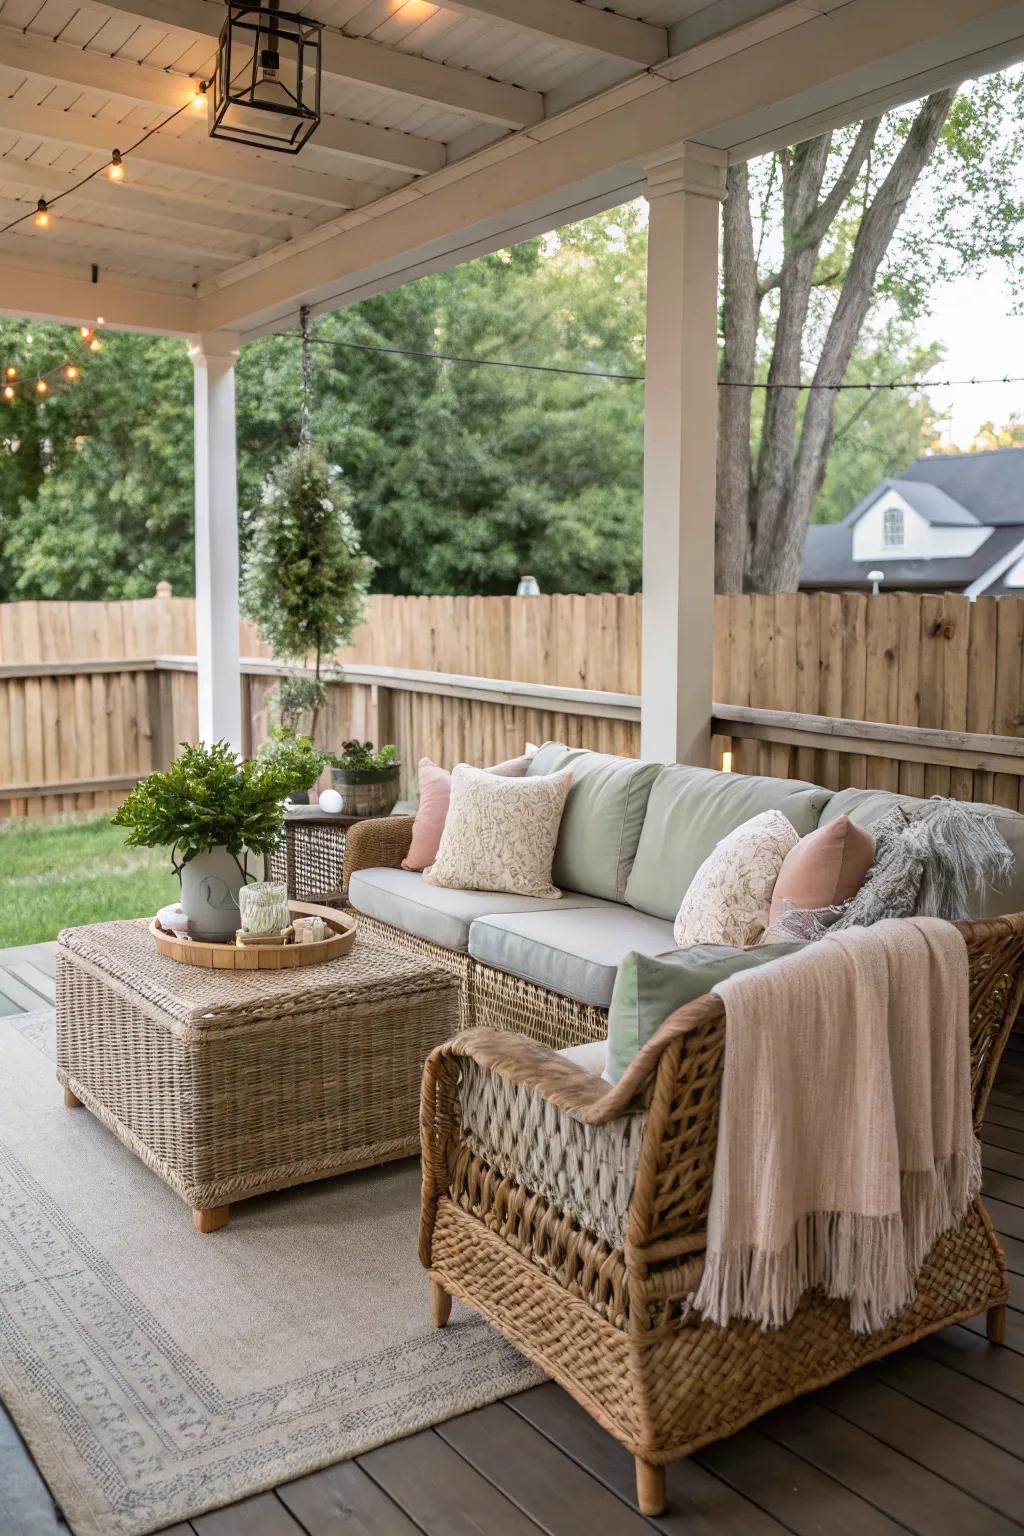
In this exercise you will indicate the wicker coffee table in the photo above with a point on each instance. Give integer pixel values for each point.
(231, 1084)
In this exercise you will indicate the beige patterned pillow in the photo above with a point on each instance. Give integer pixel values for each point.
(729, 896)
(500, 833)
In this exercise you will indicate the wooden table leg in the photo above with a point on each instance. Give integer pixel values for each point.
(212, 1219)
(71, 1100)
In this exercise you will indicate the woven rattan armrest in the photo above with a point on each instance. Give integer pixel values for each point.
(543, 1120)
(380, 843)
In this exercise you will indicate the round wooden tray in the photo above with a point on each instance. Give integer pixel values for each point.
(263, 957)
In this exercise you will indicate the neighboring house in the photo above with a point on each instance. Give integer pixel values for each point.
(950, 523)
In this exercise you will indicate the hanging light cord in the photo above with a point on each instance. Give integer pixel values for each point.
(78, 185)
(638, 378)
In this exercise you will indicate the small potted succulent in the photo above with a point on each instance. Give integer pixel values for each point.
(217, 815)
(298, 760)
(366, 780)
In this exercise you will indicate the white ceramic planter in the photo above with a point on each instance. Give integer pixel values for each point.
(210, 883)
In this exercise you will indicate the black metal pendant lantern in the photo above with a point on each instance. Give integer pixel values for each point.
(266, 91)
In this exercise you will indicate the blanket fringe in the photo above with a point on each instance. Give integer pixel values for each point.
(871, 1261)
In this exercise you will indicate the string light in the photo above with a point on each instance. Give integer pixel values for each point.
(10, 373)
(85, 331)
(9, 392)
(199, 95)
(114, 168)
(42, 388)
(71, 371)
(95, 345)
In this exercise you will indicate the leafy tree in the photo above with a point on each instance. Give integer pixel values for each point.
(809, 244)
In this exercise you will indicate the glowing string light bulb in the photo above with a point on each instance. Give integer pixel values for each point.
(9, 391)
(42, 388)
(10, 373)
(95, 345)
(85, 331)
(199, 96)
(115, 169)
(42, 218)
(71, 371)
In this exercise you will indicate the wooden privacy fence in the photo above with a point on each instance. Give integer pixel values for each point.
(917, 693)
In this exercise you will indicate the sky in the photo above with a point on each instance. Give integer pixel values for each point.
(971, 318)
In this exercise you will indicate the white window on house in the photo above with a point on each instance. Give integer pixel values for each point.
(892, 528)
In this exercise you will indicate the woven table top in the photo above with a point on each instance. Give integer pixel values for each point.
(124, 953)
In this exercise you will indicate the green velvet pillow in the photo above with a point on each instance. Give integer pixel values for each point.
(647, 989)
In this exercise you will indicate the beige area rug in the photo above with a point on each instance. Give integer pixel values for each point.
(156, 1373)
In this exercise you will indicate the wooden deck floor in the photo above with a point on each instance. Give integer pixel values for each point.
(930, 1441)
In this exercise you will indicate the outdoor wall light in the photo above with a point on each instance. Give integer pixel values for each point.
(266, 90)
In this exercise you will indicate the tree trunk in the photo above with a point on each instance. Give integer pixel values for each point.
(801, 180)
(740, 305)
(780, 535)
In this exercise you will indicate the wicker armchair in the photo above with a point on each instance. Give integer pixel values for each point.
(572, 1216)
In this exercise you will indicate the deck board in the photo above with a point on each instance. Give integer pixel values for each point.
(929, 1441)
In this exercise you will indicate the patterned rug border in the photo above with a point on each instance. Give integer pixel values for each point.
(62, 1439)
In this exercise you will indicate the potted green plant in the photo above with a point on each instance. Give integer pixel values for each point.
(297, 759)
(214, 813)
(366, 780)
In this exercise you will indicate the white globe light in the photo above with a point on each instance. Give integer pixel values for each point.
(330, 801)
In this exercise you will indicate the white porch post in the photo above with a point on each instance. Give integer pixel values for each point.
(684, 189)
(213, 357)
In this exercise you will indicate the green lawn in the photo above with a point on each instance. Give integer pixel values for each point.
(55, 874)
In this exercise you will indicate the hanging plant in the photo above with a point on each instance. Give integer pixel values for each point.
(305, 579)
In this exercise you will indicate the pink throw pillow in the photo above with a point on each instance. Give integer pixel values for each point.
(435, 793)
(825, 868)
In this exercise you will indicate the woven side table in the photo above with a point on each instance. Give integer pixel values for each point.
(230, 1084)
(311, 858)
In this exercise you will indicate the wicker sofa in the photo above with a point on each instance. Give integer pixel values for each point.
(572, 1214)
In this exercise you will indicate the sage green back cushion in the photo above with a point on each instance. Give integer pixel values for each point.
(648, 989)
(689, 811)
(866, 807)
(604, 813)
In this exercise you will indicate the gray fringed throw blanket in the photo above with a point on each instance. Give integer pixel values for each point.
(845, 1142)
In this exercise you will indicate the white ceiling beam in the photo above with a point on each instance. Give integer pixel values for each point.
(120, 77)
(49, 290)
(244, 166)
(111, 248)
(828, 59)
(365, 63)
(581, 26)
(174, 207)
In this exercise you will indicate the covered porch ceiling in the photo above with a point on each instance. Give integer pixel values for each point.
(449, 129)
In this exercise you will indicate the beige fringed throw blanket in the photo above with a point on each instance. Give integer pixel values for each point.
(845, 1141)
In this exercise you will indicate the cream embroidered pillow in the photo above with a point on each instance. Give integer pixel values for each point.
(730, 895)
(500, 833)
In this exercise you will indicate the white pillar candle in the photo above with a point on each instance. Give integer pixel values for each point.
(263, 907)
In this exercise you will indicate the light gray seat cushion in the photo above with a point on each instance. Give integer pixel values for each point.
(690, 810)
(575, 952)
(403, 898)
(603, 817)
(867, 807)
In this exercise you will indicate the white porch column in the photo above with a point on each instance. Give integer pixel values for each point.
(684, 189)
(213, 357)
